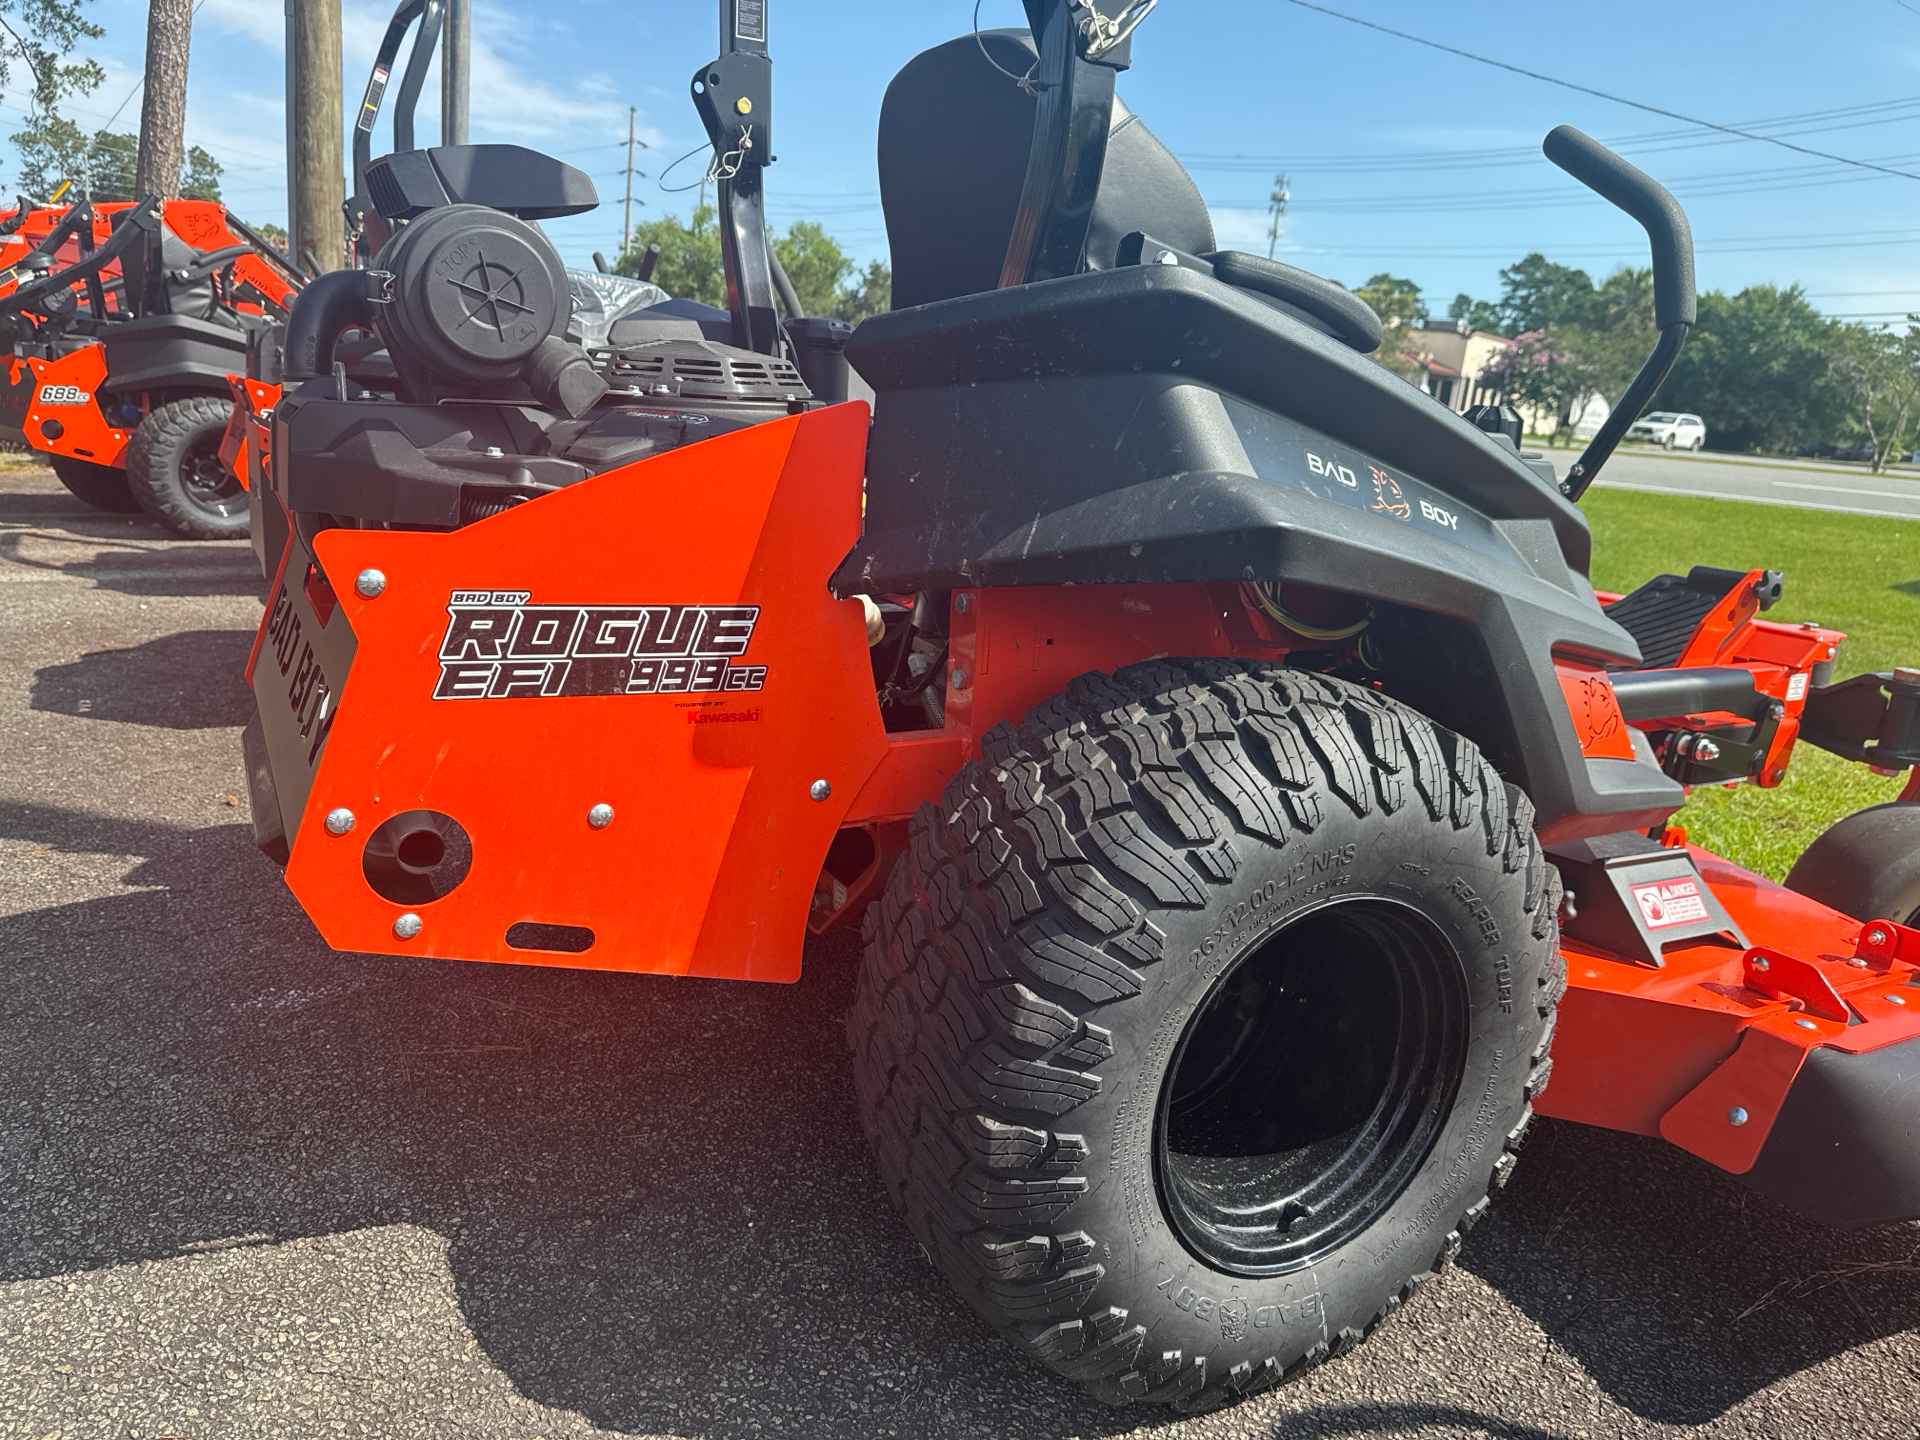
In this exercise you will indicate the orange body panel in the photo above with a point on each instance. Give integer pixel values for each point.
(709, 864)
(75, 425)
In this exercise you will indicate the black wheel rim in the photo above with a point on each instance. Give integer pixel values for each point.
(208, 484)
(1310, 1086)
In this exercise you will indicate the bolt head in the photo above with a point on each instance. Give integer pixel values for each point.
(962, 603)
(408, 926)
(600, 816)
(1897, 999)
(494, 452)
(957, 678)
(1857, 963)
(1876, 937)
(1737, 1116)
(1806, 1025)
(820, 790)
(370, 583)
(339, 821)
(1760, 963)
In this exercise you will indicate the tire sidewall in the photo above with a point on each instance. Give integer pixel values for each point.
(1185, 1303)
(156, 465)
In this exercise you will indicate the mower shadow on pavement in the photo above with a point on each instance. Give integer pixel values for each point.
(661, 1211)
(189, 680)
(1679, 1291)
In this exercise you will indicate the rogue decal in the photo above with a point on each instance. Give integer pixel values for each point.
(500, 647)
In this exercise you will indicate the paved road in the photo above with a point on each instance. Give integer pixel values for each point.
(1786, 482)
(250, 1188)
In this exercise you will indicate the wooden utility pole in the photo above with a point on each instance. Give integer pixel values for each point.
(163, 108)
(316, 180)
(626, 224)
(456, 69)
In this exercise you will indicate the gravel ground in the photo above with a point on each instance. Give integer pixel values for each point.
(249, 1187)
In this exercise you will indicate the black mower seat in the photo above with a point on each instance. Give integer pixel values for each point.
(954, 137)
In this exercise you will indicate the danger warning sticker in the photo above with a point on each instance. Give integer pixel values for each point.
(1670, 902)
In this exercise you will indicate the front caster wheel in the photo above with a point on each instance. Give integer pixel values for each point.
(1199, 1018)
(1866, 865)
(103, 487)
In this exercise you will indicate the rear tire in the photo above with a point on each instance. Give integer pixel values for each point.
(1667, 444)
(174, 470)
(104, 487)
(1199, 1017)
(1866, 865)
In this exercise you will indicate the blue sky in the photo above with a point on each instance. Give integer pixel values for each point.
(1400, 158)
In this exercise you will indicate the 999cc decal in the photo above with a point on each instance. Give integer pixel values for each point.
(499, 647)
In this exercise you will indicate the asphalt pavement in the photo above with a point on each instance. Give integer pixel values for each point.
(253, 1188)
(1805, 486)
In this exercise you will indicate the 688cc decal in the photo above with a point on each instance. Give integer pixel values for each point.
(498, 646)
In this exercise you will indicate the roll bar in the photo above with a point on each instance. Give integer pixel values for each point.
(734, 95)
(431, 14)
(1080, 52)
(1649, 202)
(139, 224)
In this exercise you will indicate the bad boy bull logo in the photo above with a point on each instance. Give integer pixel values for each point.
(498, 647)
(1387, 495)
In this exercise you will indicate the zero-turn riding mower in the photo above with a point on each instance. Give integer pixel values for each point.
(125, 322)
(1220, 744)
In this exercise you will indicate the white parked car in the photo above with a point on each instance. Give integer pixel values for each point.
(1669, 430)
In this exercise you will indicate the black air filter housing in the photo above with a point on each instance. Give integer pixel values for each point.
(475, 292)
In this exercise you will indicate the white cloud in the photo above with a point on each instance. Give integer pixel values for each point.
(260, 20)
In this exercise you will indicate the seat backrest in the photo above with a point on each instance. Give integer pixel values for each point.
(954, 137)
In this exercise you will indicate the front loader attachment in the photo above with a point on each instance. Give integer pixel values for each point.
(616, 727)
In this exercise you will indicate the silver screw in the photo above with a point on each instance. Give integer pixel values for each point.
(407, 926)
(957, 680)
(339, 821)
(1736, 1116)
(494, 452)
(600, 816)
(370, 583)
(1876, 937)
(1760, 963)
(1857, 963)
(1705, 749)
(1806, 1025)
(1897, 999)
(820, 790)
(962, 603)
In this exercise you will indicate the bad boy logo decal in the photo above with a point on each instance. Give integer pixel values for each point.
(498, 647)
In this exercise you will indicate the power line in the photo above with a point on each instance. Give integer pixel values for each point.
(1601, 94)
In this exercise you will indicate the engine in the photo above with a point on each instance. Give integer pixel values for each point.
(447, 382)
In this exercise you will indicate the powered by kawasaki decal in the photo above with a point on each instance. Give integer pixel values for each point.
(499, 647)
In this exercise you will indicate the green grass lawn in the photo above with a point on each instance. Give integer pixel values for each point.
(1849, 572)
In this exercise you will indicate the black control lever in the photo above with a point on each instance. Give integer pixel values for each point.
(1647, 201)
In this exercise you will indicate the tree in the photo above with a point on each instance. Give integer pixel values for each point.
(1756, 370)
(200, 176)
(1541, 370)
(689, 267)
(815, 264)
(1479, 314)
(1879, 372)
(53, 149)
(1537, 293)
(43, 32)
(1396, 300)
(872, 294)
(163, 102)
